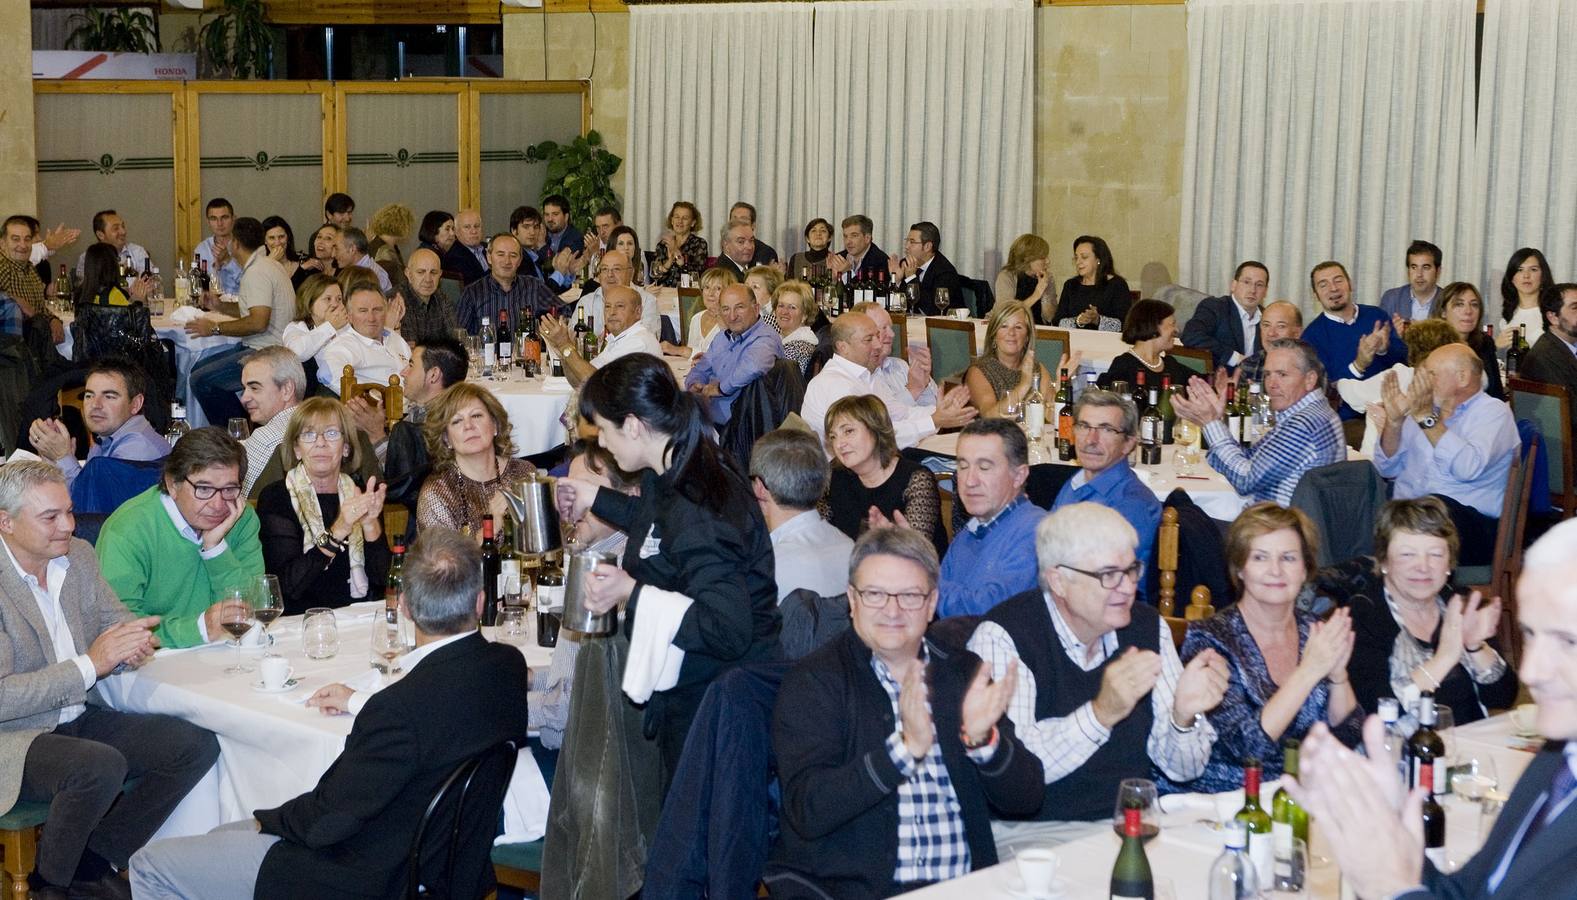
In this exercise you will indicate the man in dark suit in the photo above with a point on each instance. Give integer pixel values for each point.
(1374, 824)
(1229, 326)
(351, 835)
(61, 630)
(739, 249)
(860, 258)
(561, 234)
(744, 213)
(924, 266)
(467, 256)
(1551, 358)
(1416, 298)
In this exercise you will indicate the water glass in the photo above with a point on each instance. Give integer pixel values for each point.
(1291, 875)
(514, 625)
(319, 633)
(1141, 793)
(239, 428)
(387, 647)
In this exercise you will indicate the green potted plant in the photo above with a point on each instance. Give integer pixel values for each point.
(581, 170)
(119, 30)
(238, 42)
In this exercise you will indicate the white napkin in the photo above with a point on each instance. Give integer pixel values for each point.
(183, 314)
(653, 663)
(551, 385)
(525, 803)
(20, 455)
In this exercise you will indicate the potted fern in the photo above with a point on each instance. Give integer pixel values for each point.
(238, 42)
(120, 30)
(581, 170)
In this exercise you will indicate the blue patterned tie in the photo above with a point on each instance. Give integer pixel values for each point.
(1561, 787)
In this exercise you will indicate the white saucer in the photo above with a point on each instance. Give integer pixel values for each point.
(289, 685)
(1059, 888)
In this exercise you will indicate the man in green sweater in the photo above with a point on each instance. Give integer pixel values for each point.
(174, 549)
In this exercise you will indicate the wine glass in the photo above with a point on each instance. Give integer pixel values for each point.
(239, 428)
(1472, 781)
(944, 299)
(1445, 726)
(235, 617)
(319, 633)
(1138, 792)
(268, 604)
(1186, 435)
(387, 646)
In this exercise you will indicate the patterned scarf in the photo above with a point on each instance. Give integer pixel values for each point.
(304, 500)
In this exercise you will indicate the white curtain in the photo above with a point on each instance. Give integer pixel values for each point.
(1526, 170)
(1325, 129)
(904, 110)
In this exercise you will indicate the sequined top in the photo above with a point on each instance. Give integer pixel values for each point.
(1001, 378)
(451, 500)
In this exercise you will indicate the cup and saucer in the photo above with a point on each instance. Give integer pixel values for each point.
(1034, 876)
(277, 676)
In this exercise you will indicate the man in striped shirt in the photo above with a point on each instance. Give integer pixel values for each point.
(1307, 433)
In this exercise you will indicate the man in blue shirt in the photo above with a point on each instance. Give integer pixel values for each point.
(1416, 298)
(746, 350)
(1444, 436)
(216, 250)
(1352, 339)
(112, 405)
(1105, 429)
(993, 558)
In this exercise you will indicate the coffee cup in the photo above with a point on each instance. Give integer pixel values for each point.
(1525, 719)
(1037, 866)
(276, 671)
(961, 313)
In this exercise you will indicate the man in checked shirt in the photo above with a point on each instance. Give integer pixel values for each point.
(1101, 694)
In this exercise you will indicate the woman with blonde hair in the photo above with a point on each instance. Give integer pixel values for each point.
(706, 323)
(322, 534)
(1005, 372)
(389, 226)
(320, 314)
(469, 443)
(681, 246)
(1027, 276)
(794, 306)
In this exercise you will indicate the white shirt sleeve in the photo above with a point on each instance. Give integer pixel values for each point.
(1180, 753)
(89, 674)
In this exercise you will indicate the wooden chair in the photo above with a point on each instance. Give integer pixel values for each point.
(390, 395)
(1199, 360)
(1166, 550)
(1498, 579)
(689, 302)
(952, 345)
(1549, 407)
(1050, 344)
(519, 865)
(72, 397)
(19, 845)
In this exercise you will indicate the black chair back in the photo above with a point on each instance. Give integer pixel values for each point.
(978, 296)
(761, 406)
(450, 856)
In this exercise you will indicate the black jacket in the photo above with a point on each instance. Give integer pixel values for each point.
(872, 264)
(1217, 326)
(838, 833)
(459, 260)
(940, 274)
(351, 835)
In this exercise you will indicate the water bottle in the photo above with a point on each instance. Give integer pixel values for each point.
(489, 348)
(1232, 876)
(178, 427)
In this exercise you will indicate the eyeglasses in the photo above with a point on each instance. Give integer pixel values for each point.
(1109, 578)
(308, 436)
(207, 491)
(873, 598)
(1104, 430)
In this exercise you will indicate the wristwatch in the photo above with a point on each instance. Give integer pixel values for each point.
(326, 541)
(1428, 421)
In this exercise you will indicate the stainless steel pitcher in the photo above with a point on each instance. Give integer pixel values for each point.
(578, 567)
(536, 518)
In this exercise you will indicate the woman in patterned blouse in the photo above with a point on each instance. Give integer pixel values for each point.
(1289, 669)
(795, 306)
(468, 438)
(681, 246)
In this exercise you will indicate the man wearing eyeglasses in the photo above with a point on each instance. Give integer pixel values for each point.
(1105, 430)
(616, 271)
(1101, 694)
(893, 753)
(176, 547)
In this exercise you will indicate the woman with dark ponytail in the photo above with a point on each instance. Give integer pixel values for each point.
(698, 580)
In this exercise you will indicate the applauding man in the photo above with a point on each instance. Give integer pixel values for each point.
(61, 630)
(892, 753)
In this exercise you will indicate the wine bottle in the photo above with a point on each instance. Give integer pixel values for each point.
(1131, 879)
(579, 337)
(1034, 408)
(510, 567)
(1434, 818)
(588, 347)
(178, 427)
(183, 282)
(489, 347)
(395, 581)
(1255, 819)
(1140, 395)
(1168, 416)
(1065, 446)
(1232, 877)
(490, 567)
(505, 345)
(1288, 820)
(1234, 415)
(1425, 748)
(1150, 429)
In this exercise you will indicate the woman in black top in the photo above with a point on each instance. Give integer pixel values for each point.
(871, 484)
(1096, 297)
(1413, 631)
(321, 534)
(1460, 305)
(697, 537)
(1151, 328)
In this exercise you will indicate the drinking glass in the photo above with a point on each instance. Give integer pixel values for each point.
(1290, 876)
(1138, 792)
(513, 627)
(240, 428)
(1472, 780)
(1186, 435)
(268, 604)
(319, 633)
(235, 617)
(387, 647)
(944, 300)
(1445, 726)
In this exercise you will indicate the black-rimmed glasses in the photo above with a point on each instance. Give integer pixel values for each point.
(1109, 578)
(207, 491)
(873, 598)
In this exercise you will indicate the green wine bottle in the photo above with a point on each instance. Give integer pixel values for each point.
(1288, 820)
(1255, 819)
(1131, 879)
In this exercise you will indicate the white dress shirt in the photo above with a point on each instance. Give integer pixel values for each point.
(635, 339)
(306, 342)
(811, 553)
(60, 638)
(1250, 321)
(374, 359)
(592, 304)
(841, 377)
(1064, 744)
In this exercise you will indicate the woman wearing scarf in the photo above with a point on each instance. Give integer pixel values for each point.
(322, 534)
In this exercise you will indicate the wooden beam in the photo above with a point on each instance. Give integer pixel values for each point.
(383, 12)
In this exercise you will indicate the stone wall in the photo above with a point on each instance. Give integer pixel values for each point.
(18, 157)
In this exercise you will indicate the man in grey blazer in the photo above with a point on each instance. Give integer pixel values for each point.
(1374, 824)
(61, 630)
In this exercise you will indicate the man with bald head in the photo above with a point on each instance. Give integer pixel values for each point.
(857, 367)
(745, 350)
(503, 290)
(467, 256)
(428, 311)
(1445, 436)
(1278, 321)
(615, 270)
(625, 335)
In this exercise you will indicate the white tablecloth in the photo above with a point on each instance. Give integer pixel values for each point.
(1180, 857)
(535, 406)
(272, 747)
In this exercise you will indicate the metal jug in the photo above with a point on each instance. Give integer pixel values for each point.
(536, 518)
(578, 567)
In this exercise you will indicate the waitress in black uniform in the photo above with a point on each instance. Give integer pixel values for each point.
(695, 533)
